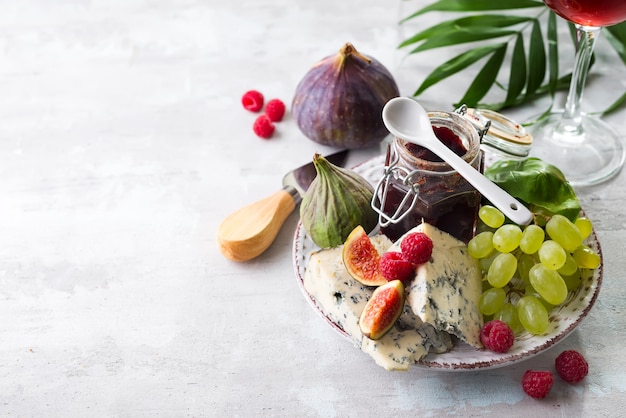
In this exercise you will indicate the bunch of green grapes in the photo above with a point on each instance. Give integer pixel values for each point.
(527, 271)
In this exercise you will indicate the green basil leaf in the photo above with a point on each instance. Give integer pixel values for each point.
(475, 6)
(536, 60)
(517, 77)
(460, 36)
(485, 78)
(538, 184)
(455, 65)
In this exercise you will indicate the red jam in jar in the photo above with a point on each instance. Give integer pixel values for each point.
(421, 187)
(446, 136)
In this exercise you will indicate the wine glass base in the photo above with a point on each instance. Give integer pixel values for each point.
(590, 157)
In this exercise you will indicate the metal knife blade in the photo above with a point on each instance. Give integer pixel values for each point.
(248, 232)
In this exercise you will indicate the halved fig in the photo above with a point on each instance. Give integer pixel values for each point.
(382, 310)
(362, 259)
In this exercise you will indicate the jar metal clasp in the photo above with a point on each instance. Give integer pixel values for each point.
(482, 125)
(393, 171)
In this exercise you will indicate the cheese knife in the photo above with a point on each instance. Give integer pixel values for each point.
(249, 231)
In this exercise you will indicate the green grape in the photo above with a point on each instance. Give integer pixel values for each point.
(532, 315)
(532, 238)
(545, 303)
(491, 301)
(481, 245)
(529, 289)
(502, 269)
(586, 257)
(491, 216)
(481, 227)
(563, 231)
(570, 267)
(508, 314)
(507, 238)
(573, 281)
(548, 283)
(584, 226)
(485, 263)
(552, 255)
(524, 263)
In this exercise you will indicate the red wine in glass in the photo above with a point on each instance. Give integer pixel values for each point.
(590, 12)
(584, 147)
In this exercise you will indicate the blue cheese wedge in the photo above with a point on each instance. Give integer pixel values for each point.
(342, 299)
(447, 288)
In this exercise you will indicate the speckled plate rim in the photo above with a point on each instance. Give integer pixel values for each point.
(564, 319)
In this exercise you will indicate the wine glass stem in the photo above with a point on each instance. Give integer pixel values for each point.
(571, 122)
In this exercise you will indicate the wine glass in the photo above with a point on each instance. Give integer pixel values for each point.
(586, 149)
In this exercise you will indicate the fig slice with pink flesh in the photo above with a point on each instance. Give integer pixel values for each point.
(361, 258)
(382, 310)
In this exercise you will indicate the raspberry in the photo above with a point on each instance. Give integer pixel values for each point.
(252, 100)
(394, 266)
(263, 127)
(497, 336)
(537, 383)
(417, 247)
(571, 366)
(275, 110)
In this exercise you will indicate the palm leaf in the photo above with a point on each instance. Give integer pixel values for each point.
(618, 104)
(562, 83)
(517, 76)
(536, 60)
(491, 33)
(455, 65)
(475, 6)
(461, 36)
(470, 22)
(553, 54)
(616, 36)
(485, 78)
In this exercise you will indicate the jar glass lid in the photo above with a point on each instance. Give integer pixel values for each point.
(498, 131)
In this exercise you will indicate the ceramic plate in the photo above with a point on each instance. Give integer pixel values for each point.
(564, 319)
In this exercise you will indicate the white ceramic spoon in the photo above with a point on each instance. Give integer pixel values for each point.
(407, 119)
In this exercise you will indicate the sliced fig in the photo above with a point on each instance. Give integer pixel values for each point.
(338, 200)
(362, 259)
(382, 310)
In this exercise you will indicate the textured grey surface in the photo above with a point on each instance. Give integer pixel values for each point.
(123, 145)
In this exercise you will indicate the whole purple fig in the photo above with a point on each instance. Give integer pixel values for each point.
(339, 101)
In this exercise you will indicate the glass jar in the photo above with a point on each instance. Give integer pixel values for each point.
(415, 187)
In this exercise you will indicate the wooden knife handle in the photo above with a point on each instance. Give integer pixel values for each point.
(249, 231)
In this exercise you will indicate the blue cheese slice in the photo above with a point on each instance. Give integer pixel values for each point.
(447, 288)
(342, 299)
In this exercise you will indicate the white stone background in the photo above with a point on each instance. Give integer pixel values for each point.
(122, 147)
